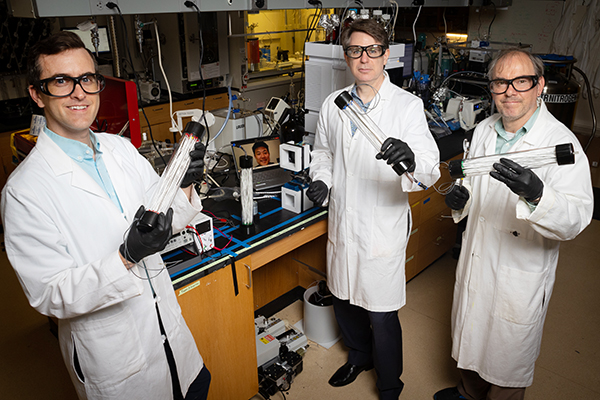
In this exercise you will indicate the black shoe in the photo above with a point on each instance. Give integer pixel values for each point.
(347, 373)
(448, 394)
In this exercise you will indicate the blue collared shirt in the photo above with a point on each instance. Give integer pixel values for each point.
(84, 157)
(503, 140)
(360, 103)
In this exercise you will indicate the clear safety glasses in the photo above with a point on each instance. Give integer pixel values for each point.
(64, 85)
(373, 51)
(520, 84)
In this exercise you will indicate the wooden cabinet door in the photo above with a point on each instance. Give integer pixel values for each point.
(222, 323)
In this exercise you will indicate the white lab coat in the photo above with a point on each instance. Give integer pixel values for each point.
(507, 264)
(369, 214)
(62, 234)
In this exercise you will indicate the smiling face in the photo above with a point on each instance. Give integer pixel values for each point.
(516, 107)
(366, 70)
(262, 156)
(69, 116)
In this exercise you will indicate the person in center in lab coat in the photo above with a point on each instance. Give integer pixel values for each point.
(369, 214)
(69, 216)
(517, 219)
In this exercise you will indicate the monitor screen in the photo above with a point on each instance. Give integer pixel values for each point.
(86, 36)
(264, 151)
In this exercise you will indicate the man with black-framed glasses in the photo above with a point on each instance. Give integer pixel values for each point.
(70, 232)
(369, 215)
(517, 219)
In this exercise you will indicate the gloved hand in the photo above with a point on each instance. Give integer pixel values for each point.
(457, 198)
(395, 150)
(139, 245)
(317, 192)
(196, 168)
(521, 181)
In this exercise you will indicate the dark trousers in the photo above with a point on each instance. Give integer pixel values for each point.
(373, 337)
(199, 388)
(474, 387)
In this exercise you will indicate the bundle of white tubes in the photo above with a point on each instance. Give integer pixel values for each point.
(247, 190)
(560, 154)
(170, 180)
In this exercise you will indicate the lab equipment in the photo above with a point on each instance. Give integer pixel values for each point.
(295, 158)
(371, 131)
(276, 109)
(561, 154)
(198, 233)
(149, 91)
(172, 177)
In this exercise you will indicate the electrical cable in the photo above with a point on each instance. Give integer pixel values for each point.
(414, 24)
(591, 103)
(491, 22)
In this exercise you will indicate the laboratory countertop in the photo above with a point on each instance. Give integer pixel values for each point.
(271, 224)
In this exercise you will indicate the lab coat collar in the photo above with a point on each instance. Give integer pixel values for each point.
(532, 139)
(536, 133)
(62, 164)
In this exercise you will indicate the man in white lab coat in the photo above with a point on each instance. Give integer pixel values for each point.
(369, 214)
(517, 219)
(69, 215)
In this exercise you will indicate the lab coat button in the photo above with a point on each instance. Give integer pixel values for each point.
(481, 219)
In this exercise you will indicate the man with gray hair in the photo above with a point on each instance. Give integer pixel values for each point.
(518, 217)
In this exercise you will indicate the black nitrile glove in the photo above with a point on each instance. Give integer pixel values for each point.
(521, 181)
(457, 198)
(395, 150)
(139, 244)
(196, 168)
(317, 192)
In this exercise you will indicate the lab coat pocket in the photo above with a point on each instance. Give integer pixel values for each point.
(389, 232)
(108, 350)
(519, 295)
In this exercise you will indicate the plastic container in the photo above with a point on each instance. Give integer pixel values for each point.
(320, 324)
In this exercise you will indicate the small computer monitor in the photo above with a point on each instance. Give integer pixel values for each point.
(258, 148)
(86, 37)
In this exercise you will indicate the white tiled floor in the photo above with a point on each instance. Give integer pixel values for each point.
(568, 367)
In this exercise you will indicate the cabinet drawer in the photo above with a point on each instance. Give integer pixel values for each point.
(413, 197)
(433, 250)
(430, 230)
(155, 114)
(432, 205)
(212, 103)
